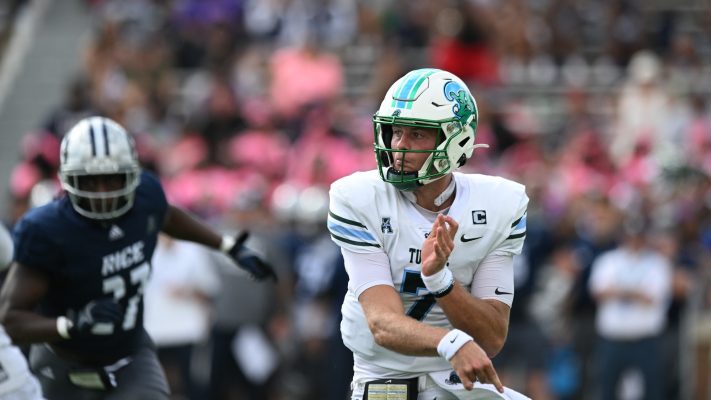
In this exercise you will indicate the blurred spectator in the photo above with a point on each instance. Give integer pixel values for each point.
(178, 300)
(246, 345)
(323, 152)
(643, 111)
(332, 23)
(407, 23)
(685, 265)
(205, 31)
(698, 364)
(303, 75)
(221, 119)
(625, 30)
(632, 286)
(696, 136)
(76, 106)
(34, 180)
(591, 223)
(684, 62)
(549, 306)
(261, 148)
(463, 45)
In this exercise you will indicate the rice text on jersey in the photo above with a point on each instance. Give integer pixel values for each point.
(127, 257)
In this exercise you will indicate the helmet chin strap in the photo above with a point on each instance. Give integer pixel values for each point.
(439, 200)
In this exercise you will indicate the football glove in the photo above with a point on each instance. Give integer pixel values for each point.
(249, 260)
(98, 317)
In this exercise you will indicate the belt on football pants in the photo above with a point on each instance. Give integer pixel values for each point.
(419, 384)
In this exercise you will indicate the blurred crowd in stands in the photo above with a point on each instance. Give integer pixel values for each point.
(249, 109)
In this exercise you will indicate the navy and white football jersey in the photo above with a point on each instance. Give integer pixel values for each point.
(368, 215)
(87, 260)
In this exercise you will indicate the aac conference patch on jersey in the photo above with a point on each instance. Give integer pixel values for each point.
(386, 227)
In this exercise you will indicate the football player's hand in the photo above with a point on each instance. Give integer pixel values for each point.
(472, 364)
(250, 261)
(98, 317)
(439, 244)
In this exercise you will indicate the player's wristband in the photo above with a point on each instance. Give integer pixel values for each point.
(444, 292)
(63, 326)
(227, 243)
(440, 283)
(452, 342)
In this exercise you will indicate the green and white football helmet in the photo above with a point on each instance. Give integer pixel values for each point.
(429, 98)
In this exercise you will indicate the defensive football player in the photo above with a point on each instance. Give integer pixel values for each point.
(75, 289)
(429, 251)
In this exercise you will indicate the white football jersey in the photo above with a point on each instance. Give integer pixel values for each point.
(368, 215)
(16, 380)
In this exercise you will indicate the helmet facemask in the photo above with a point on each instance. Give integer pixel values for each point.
(101, 205)
(435, 166)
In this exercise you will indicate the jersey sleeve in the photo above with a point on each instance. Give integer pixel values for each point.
(360, 278)
(494, 279)
(348, 225)
(515, 231)
(33, 247)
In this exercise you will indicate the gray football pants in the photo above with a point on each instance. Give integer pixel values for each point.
(141, 379)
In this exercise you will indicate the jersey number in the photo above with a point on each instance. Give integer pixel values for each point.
(117, 285)
(412, 284)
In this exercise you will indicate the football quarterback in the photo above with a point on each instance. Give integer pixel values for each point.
(429, 251)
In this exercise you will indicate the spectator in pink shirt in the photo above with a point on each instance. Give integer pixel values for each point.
(303, 75)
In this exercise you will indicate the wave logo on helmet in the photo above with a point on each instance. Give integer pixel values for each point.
(464, 107)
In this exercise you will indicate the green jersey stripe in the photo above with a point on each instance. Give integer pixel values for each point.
(516, 236)
(346, 221)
